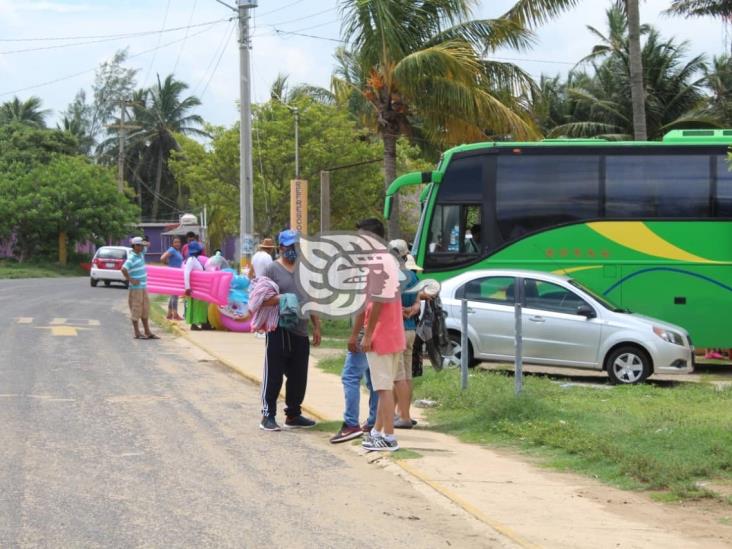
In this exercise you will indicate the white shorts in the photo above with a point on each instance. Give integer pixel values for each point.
(383, 370)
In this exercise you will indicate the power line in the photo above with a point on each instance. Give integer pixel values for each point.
(278, 32)
(118, 35)
(213, 72)
(300, 18)
(282, 8)
(222, 45)
(101, 40)
(80, 73)
(152, 59)
(183, 45)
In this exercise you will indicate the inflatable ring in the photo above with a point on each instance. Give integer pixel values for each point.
(236, 325)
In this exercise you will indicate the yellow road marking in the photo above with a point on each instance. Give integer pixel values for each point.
(63, 331)
(25, 320)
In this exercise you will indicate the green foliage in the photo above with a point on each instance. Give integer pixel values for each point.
(26, 112)
(68, 195)
(328, 139)
(637, 437)
(10, 268)
(597, 103)
(28, 145)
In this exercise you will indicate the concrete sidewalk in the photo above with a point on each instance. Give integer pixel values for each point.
(528, 505)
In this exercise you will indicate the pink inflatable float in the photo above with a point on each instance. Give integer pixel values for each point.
(210, 286)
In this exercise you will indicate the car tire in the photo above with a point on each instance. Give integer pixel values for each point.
(451, 359)
(93, 282)
(628, 365)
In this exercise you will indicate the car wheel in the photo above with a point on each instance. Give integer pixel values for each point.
(452, 356)
(628, 365)
(107, 283)
(93, 282)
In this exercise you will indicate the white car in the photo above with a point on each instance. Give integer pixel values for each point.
(563, 324)
(106, 265)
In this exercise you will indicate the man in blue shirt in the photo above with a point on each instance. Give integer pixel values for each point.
(174, 258)
(135, 273)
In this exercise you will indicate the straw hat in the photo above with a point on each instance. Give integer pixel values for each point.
(267, 244)
(411, 264)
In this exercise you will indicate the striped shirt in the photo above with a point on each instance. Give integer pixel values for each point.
(135, 266)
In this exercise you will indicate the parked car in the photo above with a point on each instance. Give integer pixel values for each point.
(563, 324)
(106, 266)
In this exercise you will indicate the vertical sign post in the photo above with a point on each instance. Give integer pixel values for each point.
(464, 344)
(299, 206)
(519, 341)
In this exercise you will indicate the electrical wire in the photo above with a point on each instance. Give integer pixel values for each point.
(221, 55)
(155, 53)
(299, 18)
(183, 45)
(296, 2)
(118, 35)
(108, 39)
(80, 73)
(279, 32)
(216, 54)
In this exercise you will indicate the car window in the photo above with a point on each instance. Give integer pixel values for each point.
(492, 289)
(111, 253)
(550, 297)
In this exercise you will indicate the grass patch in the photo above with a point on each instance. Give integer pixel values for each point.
(9, 268)
(642, 437)
(405, 453)
(332, 365)
(157, 315)
(326, 427)
(337, 328)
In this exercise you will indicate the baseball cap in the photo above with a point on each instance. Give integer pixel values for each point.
(411, 264)
(400, 246)
(287, 237)
(137, 241)
(194, 248)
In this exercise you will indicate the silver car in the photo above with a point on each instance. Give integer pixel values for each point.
(563, 324)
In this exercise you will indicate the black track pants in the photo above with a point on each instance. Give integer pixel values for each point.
(287, 355)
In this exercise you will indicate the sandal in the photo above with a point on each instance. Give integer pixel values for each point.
(151, 336)
(140, 336)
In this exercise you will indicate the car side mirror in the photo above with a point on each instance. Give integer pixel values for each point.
(586, 311)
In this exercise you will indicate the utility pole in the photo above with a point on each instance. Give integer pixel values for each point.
(296, 112)
(246, 190)
(122, 127)
(324, 201)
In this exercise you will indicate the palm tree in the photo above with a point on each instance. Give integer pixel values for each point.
(161, 113)
(701, 8)
(26, 112)
(598, 104)
(718, 81)
(535, 12)
(420, 63)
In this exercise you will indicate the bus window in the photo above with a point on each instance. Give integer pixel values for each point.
(536, 192)
(724, 187)
(657, 186)
(455, 230)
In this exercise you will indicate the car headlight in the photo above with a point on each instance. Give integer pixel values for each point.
(668, 335)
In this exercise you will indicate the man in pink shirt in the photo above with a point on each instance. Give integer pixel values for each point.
(383, 342)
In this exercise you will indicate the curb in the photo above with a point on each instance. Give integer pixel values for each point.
(469, 508)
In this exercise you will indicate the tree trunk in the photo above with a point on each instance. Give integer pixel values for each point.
(63, 256)
(635, 62)
(390, 139)
(158, 180)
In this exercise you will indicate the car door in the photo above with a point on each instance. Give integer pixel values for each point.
(491, 314)
(553, 332)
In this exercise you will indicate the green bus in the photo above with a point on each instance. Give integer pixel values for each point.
(646, 224)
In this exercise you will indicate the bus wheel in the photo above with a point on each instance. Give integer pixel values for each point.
(451, 358)
(628, 365)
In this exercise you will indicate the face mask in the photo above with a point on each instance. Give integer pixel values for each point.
(290, 254)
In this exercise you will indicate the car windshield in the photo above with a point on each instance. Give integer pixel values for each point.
(605, 302)
(111, 253)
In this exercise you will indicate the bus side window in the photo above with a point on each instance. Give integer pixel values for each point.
(724, 188)
(455, 229)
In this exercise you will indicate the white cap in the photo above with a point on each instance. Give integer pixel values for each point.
(401, 246)
(137, 241)
(411, 264)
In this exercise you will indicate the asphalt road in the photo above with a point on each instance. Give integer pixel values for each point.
(109, 441)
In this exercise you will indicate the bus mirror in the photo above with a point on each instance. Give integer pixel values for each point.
(387, 207)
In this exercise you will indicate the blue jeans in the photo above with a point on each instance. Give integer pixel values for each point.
(354, 369)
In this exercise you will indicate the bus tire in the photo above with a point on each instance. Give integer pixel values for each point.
(628, 365)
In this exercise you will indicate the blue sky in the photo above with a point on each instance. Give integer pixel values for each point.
(206, 57)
